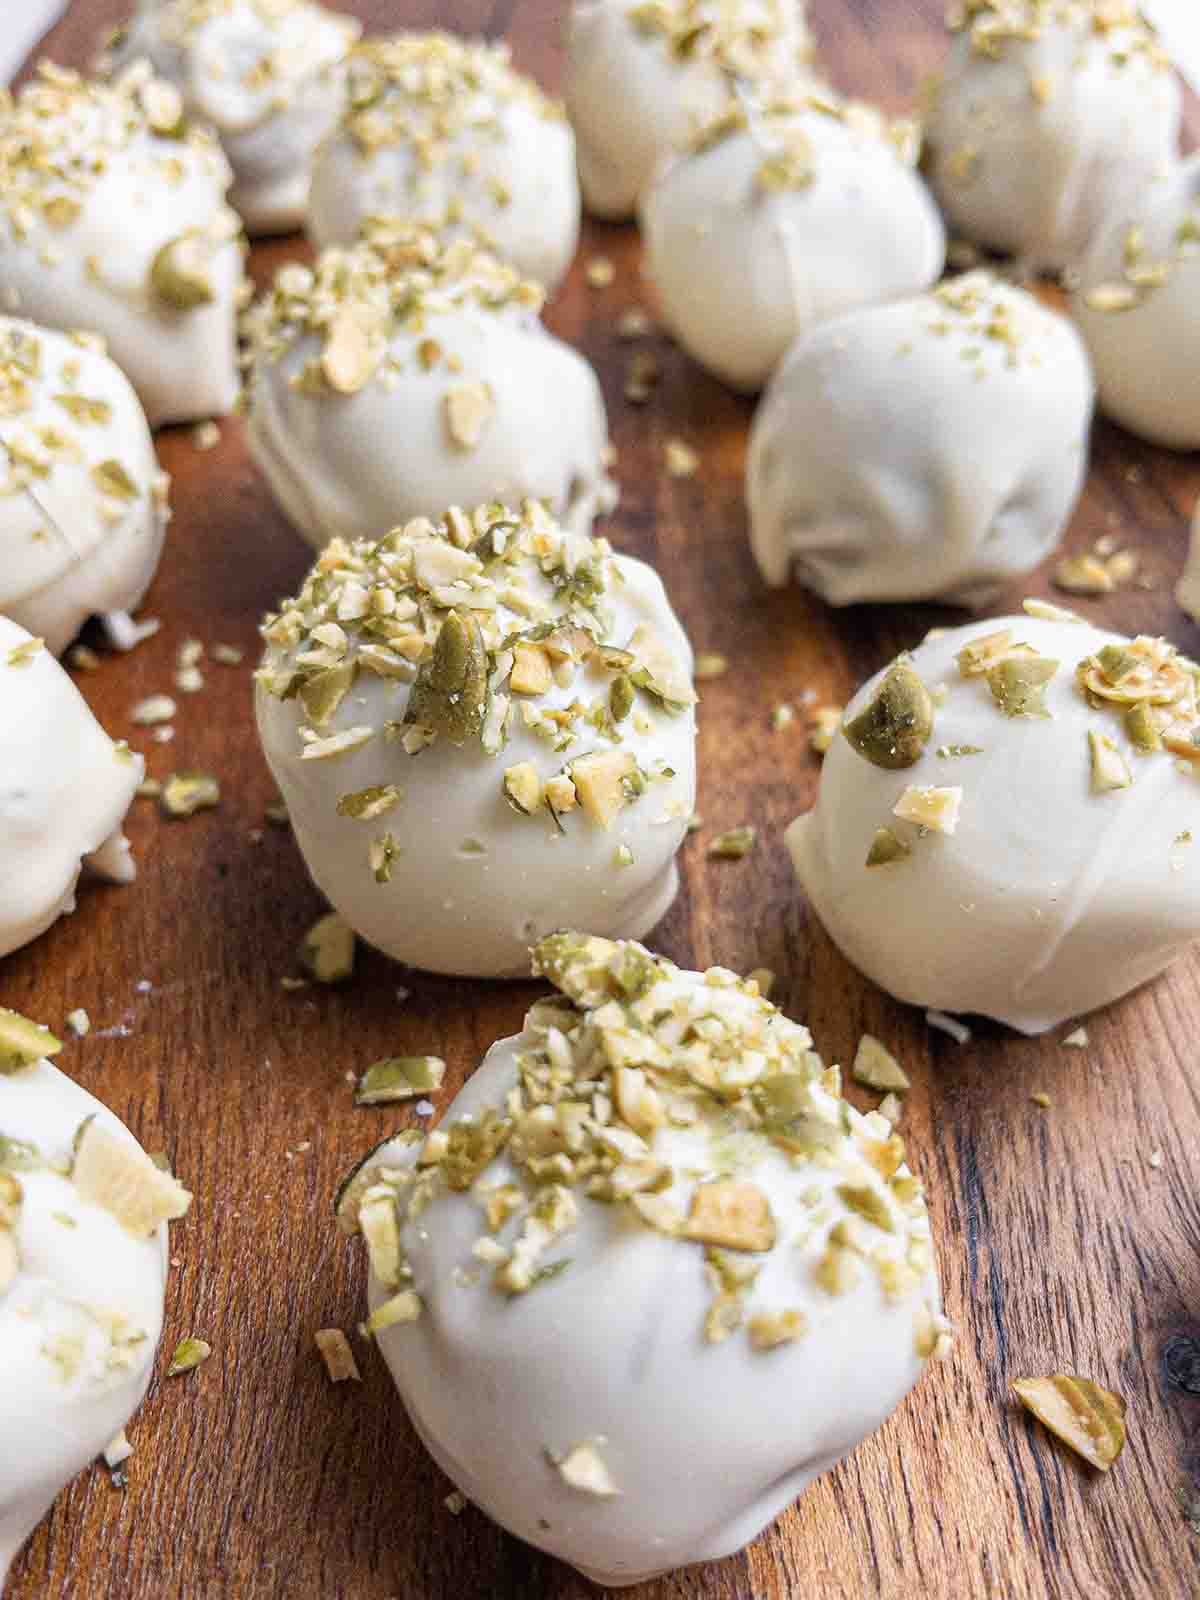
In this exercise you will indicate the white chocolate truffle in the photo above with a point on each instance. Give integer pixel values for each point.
(482, 729)
(83, 1271)
(1023, 846)
(930, 449)
(114, 220)
(653, 1275)
(267, 76)
(1049, 116)
(644, 76)
(1136, 306)
(779, 218)
(404, 337)
(83, 502)
(439, 128)
(65, 787)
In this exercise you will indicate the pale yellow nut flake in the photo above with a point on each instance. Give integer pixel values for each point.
(335, 1352)
(1110, 770)
(584, 1468)
(932, 808)
(1085, 1416)
(469, 407)
(327, 949)
(600, 781)
(876, 1068)
(734, 1215)
(23, 1042)
(114, 1173)
(189, 1354)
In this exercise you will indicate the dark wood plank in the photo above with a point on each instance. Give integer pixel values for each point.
(1060, 1246)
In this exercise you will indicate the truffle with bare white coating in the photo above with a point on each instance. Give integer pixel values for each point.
(652, 1275)
(644, 76)
(407, 337)
(83, 1269)
(1049, 117)
(266, 74)
(114, 220)
(482, 727)
(83, 502)
(65, 787)
(1136, 304)
(929, 449)
(1035, 859)
(779, 217)
(443, 129)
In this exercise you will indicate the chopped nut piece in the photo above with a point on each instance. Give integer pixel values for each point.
(185, 793)
(657, 669)
(115, 1174)
(469, 407)
(599, 272)
(682, 461)
(1083, 575)
(877, 1068)
(349, 357)
(770, 1329)
(734, 843)
(180, 275)
(976, 657)
(1087, 1418)
(156, 708)
(584, 1468)
(402, 1307)
(869, 1203)
(763, 980)
(456, 1502)
(1077, 1039)
(826, 722)
(531, 672)
(936, 809)
(886, 849)
(1110, 770)
(399, 1078)
(451, 690)
(327, 949)
(79, 1022)
(523, 788)
(23, 1042)
(206, 436)
(189, 1354)
(111, 478)
(893, 728)
(709, 664)
(1042, 1099)
(337, 1355)
(1018, 684)
(735, 1215)
(600, 782)
(364, 805)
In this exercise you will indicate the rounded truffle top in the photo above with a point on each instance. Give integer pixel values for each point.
(740, 37)
(401, 277)
(792, 132)
(62, 134)
(429, 90)
(994, 27)
(456, 612)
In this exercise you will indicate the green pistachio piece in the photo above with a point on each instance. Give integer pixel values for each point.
(1116, 662)
(399, 1078)
(1087, 1418)
(1142, 728)
(887, 848)
(23, 1042)
(185, 793)
(179, 273)
(112, 479)
(327, 949)
(1018, 684)
(189, 1354)
(620, 697)
(450, 693)
(18, 1155)
(877, 1068)
(364, 805)
(893, 728)
(324, 692)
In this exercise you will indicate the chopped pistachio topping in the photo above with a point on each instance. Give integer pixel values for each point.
(1018, 684)
(1155, 691)
(893, 728)
(1118, 26)
(733, 34)
(484, 619)
(887, 848)
(399, 1078)
(335, 1352)
(584, 1468)
(877, 1068)
(469, 407)
(734, 843)
(112, 1172)
(327, 949)
(189, 1354)
(1110, 770)
(23, 1042)
(185, 793)
(181, 272)
(627, 1051)
(932, 808)
(1086, 1417)
(364, 805)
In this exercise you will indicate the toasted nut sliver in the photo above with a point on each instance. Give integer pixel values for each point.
(1086, 1417)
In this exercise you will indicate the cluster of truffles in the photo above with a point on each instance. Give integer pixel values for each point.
(83, 1269)
(620, 1289)
(406, 336)
(1006, 824)
(115, 221)
(482, 727)
(927, 449)
(266, 75)
(441, 129)
(644, 76)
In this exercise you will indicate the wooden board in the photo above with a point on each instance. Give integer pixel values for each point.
(1061, 1245)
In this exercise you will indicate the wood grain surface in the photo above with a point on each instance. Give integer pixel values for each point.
(1062, 1246)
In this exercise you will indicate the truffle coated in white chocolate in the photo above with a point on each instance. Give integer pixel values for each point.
(540, 768)
(406, 337)
(83, 502)
(266, 74)
(1070, 876)
(643, 78)
(1048, 117)
(1136, 304)
(64, 790)
(442, 129)
(680, 1290)
(114, 220)
(80, 1320)
(928, 449)
(780, 217)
